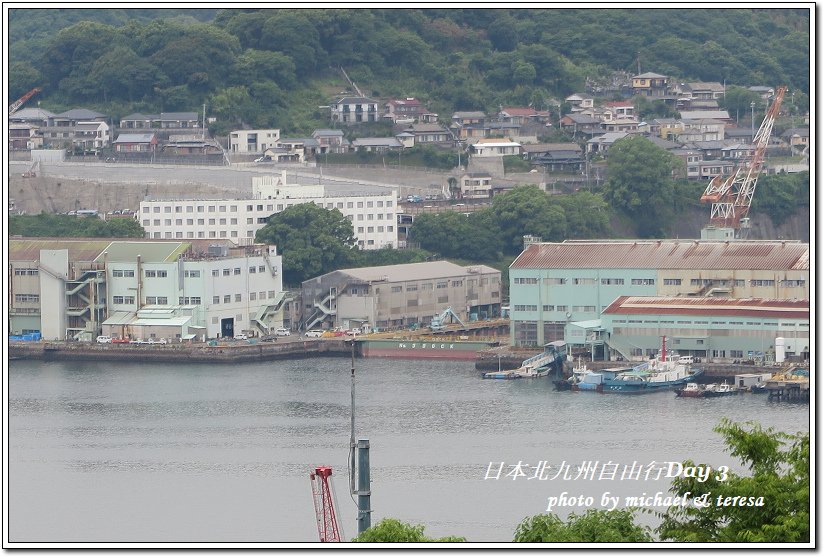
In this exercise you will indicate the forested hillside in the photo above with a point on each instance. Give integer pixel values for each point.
(275, 67)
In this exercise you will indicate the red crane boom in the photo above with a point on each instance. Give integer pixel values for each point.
(731, 197)
(324, 505)
(19, 102)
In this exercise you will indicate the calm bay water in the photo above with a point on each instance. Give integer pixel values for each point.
(131, 453)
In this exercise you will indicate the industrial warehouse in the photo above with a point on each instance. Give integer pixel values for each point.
(562, 291)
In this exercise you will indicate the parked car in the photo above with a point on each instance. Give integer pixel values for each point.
(156, 341)
(354, 332)
(137, 341)
(120, 340)
(281, 332)
(103, 339)
(241, 336)
(314, 333)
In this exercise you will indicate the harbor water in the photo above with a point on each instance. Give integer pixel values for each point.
(195, 453)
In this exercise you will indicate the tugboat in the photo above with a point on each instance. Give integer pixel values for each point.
(659, 374)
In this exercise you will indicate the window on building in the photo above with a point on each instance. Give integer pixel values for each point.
(672, 282)
(215, 299)
(237, 270)
(762, 282)
(397, 289)
(643, 281)
(526, 281)
(227, 272)
(555, 280)
(583, 281)
(238, 297)
(150, 273)
(411, 287)
(151, 300)
(612, 281)
(252, 296)
(227, 299)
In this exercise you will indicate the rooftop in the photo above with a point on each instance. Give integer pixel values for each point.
(416, 271)
(665, 254)
(751, 307)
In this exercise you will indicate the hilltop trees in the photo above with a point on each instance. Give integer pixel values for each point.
(452, 59)
(640, 184)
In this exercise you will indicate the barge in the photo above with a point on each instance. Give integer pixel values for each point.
(422, 348)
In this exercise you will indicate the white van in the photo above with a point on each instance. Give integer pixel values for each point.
(686, 360)
(103, 339)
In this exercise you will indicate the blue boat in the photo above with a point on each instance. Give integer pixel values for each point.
(662, 375)
(589, 380)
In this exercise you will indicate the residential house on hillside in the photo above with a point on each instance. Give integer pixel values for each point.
(476, 185)
(702, 90)
(24, 137)
(135, 143)
(579, 124)
(556, 157)
(650, 85)
(330, 141)
(494, 147)
(702, 129)
(35, 116)
(408, 111)
(354, 110)
(79, 129)
(742, 135)
(522, 116)
(169, 122)
(429, 134)
(377, 144)
(722, 115)
(471, 132)
(621, 109)
(187, 144)
(580, 102)
(602, 143)
(470, 117)
(797, 137)
(252, 141)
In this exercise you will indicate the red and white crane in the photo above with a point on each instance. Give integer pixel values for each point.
(13, 107)
(324, 504)
(731, 196)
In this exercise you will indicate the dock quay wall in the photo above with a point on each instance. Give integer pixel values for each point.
(194, 353)
(510, 358)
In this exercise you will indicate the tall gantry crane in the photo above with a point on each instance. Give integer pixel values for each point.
(13, 107)
(324, 504)
(731, 196)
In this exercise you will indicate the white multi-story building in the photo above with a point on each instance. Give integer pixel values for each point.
(79, 288)
(253, 141)
(373, 216)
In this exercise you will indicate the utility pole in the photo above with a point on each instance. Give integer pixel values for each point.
(363, 491)
(752, 119)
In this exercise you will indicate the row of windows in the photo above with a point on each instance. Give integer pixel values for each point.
(123, 300)
(20, 272)
(371, 229)
(253, 296)
(151, 273)
(260, 207)
(753, 323)
(26, 298)
(122, 272)
(667, 282)
(157, 300)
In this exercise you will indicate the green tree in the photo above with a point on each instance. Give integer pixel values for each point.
(527, 210)
(392, 530)
(594, 526)
(779, 466)
(312, 240)
(587, 215)
(640, 184)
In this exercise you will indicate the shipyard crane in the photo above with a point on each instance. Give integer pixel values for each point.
(19, 102)
(324, 504)
(731, 196)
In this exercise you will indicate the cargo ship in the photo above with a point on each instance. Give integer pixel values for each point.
(422, 348)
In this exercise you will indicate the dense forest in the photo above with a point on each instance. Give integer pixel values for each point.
(276, 67)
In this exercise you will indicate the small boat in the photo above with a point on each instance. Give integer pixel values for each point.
(691, 390)
(760, 388)
(724, 389)
(578, 373)
(504, 374)
(595, 380)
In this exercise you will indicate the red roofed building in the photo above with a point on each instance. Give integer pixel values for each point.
(715, 329)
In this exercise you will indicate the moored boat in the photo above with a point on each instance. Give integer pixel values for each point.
(691, 390)
(715, 390)
(537, 366)
(666, 372)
